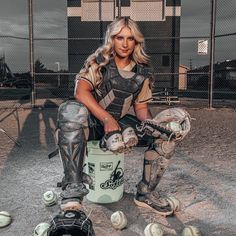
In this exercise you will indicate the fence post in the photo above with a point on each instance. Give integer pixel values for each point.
(114, 9)
(119, 8)
(31, 50)
(212, 53)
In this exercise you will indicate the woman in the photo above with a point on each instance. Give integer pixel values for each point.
(123, 50)
(114, 79)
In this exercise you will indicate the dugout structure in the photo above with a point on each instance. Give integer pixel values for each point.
(159, 21)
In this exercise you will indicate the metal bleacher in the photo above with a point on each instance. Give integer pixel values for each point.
(164, 96)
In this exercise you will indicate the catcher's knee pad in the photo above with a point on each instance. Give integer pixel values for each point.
(72, 120)
(154, 167)
(73, 223)
(164, 148)
(73, 112)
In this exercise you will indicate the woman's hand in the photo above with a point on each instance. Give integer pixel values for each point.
(110, 124)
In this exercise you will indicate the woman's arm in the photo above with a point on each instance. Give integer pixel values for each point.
(84, 95)
(142, 111)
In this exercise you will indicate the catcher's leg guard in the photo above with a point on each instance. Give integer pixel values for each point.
(72, 122)
(156, 161)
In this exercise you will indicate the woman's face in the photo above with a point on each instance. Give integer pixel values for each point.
(124, 43)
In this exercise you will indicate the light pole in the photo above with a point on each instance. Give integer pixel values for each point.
(212, 54)
(31, 50)
(58, 71)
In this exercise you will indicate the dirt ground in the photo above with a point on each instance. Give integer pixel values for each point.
(201, 174)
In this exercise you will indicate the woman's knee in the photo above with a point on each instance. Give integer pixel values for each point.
(73, 111)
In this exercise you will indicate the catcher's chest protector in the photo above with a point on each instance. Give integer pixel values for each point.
(117, 94)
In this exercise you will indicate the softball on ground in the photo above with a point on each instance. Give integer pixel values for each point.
(41, 229)
(5, 219)
(118, 220)
(191, 231)
(50, 198)
(153, 229)
(174, 203)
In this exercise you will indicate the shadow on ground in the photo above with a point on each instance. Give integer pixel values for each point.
(201, 175)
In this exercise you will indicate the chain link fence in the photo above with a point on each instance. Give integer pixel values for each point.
(44, 44)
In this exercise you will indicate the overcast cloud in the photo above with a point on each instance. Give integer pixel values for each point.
(195, 21)
(50, 21)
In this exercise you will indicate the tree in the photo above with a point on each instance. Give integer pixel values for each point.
(39, 67)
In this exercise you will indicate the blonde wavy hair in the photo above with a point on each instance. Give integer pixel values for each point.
(106, 50)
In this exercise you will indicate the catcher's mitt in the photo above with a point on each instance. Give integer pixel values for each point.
(171, 124)
(71, 223)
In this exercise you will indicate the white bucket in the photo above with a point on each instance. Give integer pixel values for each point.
(107, 172)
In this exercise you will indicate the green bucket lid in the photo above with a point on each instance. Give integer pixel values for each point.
(93, 148)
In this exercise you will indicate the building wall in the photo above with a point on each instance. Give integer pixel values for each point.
(88, 19)
(183, 77)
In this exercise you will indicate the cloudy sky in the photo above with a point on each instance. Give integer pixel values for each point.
(195, 21)
(50, 21)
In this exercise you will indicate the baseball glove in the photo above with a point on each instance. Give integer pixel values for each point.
(170, 124)
(73, 223)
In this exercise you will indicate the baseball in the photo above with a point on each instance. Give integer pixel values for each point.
(153, 229)
(5, 219)
(49, 198)
(175, 126)
(118, 220)
(41, 229)
(174, 203)
(191, 231)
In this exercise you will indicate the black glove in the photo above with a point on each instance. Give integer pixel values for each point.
(172, 123)
(153, 129)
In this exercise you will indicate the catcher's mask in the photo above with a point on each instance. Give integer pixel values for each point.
(71, 223)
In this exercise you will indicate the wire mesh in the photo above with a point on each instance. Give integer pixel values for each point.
(66, 32)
